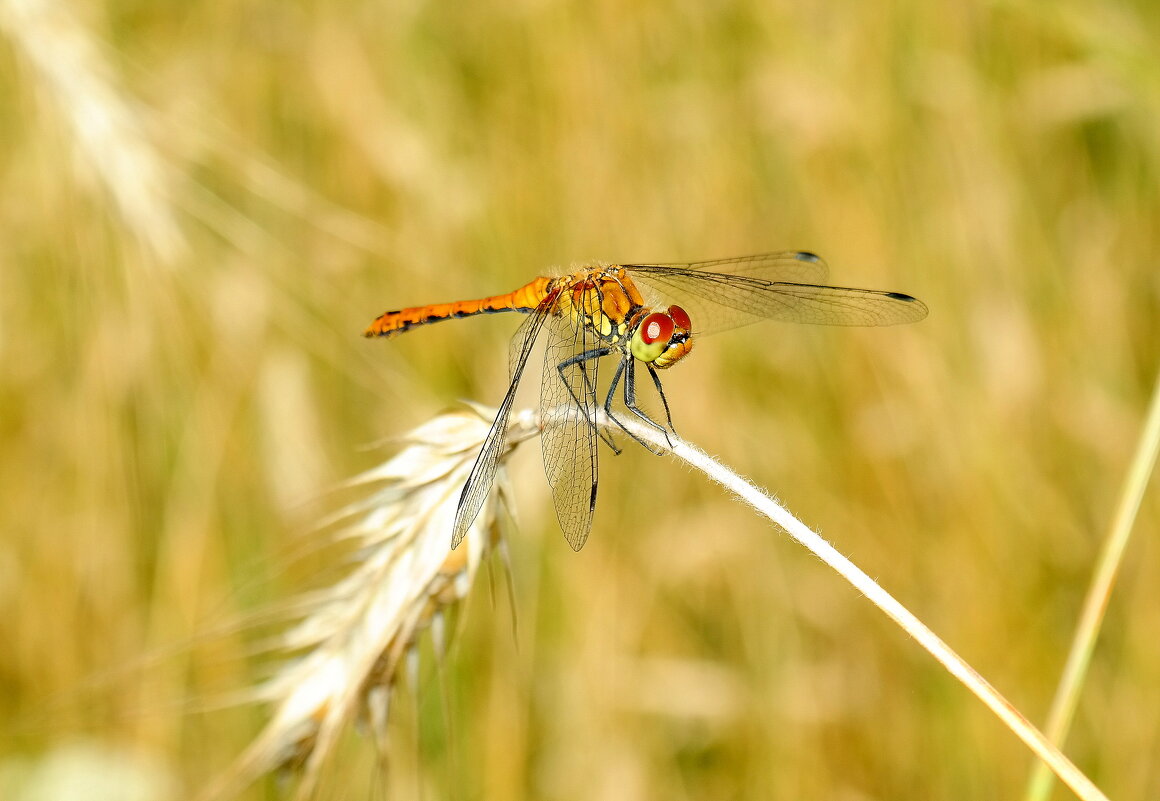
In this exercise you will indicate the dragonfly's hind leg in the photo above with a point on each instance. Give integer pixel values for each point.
(579, 360)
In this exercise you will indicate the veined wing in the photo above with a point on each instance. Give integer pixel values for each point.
(780, 286)
(482, 476)
(795, 266)
(568, 411)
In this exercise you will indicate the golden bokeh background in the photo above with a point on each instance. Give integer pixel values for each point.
(205, 204)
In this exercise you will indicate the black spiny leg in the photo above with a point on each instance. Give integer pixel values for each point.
(664, 401)
(620, 372)
(579, 360)
(630, 401)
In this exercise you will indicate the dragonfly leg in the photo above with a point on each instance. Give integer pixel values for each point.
(664, 401)
(579, 360)
(616, 377)
(630, 400)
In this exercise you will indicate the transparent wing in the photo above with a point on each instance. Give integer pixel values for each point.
(797, 266)
(482, 475)
(568, 410)
(778, 286)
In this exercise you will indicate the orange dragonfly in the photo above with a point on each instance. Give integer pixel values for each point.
(600, 310)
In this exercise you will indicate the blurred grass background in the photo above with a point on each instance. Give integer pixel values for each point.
(205, 204)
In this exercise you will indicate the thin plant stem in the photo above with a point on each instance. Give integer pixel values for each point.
(774, 511)
(1099, 593)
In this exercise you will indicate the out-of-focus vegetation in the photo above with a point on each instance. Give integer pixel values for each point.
(205, 203)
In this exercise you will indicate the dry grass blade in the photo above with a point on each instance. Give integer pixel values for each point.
(1099, 593)
(353, 643)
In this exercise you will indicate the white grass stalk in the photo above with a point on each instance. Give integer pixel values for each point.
(775, 512)
(362, 630)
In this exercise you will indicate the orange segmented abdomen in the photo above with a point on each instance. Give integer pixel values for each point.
(525, 299)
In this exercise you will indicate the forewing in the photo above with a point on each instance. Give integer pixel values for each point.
(483, 472)
(796, 266)
(568, 411)
(780, 286)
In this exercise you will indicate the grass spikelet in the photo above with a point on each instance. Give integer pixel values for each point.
(355, 643)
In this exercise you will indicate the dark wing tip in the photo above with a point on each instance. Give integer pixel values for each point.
(805, 255)
(919, 311)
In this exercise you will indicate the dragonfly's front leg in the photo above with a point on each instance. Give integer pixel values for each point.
(630, 400)
(664, 401)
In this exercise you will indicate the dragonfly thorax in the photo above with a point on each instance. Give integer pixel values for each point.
(608, 304)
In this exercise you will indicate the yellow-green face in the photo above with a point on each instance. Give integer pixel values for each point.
(663, 338)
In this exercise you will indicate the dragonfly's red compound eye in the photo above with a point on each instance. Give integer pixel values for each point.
(681, 318)
(656, 327)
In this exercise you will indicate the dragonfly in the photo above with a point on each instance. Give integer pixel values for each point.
(651, 314)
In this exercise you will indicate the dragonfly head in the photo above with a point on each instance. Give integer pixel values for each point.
(663, 338)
